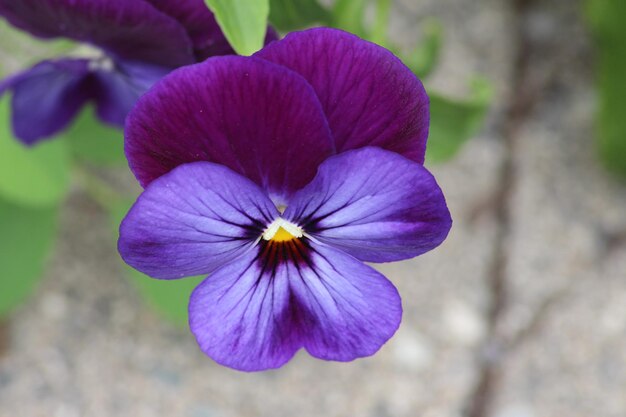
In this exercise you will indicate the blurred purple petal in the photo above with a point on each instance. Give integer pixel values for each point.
(257, 118)
(127, 29)
(118, 88)
(370, 97)
(373, 204)
(205, 33)
(271, 35)
(256, 312)
(47, 97)
(193, 220)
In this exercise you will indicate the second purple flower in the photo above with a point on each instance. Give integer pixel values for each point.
(128, 46)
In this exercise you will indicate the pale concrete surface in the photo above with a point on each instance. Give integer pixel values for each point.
(85, 345)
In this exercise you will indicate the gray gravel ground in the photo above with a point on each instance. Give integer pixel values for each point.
(85, 345)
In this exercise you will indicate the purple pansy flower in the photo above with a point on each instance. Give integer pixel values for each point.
(136, 43)
(280, 175)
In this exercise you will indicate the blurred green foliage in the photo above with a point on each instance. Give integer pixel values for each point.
(452, 122)
(424, 57)
(27, 236)
(22, 50)
(94, 142)
(33, 183)
(350, 15)
(288, 15)
(37, 176)
(168, 297)
(608, 23)
(244, 22)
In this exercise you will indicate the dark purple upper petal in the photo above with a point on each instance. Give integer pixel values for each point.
(47, 97)
(128, 29)
(374, 204)
(256, 312)
(193, 220)
(370, 97)
(257, 118)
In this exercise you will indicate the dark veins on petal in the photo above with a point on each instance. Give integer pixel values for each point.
(310, 223)
(273, 253)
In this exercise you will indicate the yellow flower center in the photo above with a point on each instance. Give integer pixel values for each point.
(283, 236)
(282, 230)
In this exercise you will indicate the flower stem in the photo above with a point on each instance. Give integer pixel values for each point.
(100, 192)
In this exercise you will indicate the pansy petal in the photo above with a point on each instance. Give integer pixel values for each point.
(370, 97)
(259, 119)
(118, 89)
(205, 33)
(374, 204)
(193, 220)
(47, 97)
(256, 312)
(243, 318)
(128, 29)
(214, 43)
(349, 310)
(200, 23)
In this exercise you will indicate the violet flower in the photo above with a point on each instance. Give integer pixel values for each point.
(134, 44)
(279, 175)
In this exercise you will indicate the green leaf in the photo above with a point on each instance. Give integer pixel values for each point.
(381, 22)
(349, 15)
(26, 236)
(244, 22)
(453, 122)
(92, 141)
(37, 176)
(607, 18)
(168, 297)
(611, 123)
(288, 15)
(425, 57)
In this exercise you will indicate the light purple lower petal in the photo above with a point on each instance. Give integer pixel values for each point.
(243, 318)
(193, 220)
(374, 204)
(349, 309)
(256, 312)
(47, 97)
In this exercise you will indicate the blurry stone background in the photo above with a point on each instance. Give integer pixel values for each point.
(520, 313)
